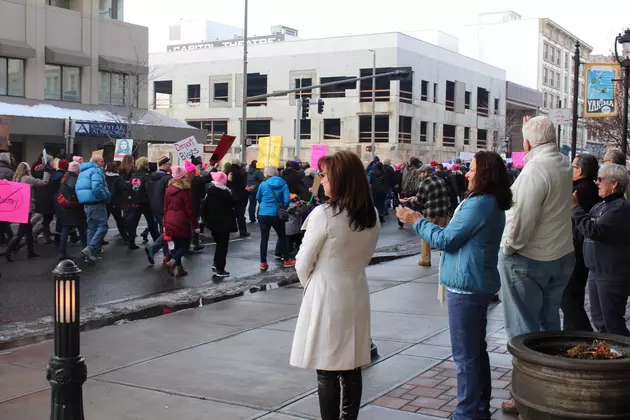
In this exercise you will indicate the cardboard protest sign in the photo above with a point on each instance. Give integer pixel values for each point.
(317, 152)
(4, 132)
(316, 184)
(269, 151)
(188, 148)
(15, 201)
(123, 147)
(517, 159)
(222, 148)
(98, 153)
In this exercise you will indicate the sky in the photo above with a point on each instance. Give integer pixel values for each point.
(595, 23)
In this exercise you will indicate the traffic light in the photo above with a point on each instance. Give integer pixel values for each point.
(320, 106)
(306, 104)
(368, 148)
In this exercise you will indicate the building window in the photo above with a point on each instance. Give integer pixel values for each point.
(406, 91)
(63, 83)
(305, 129)
(467, 100)
(545, 76)
(566, 61)
(482, 139)
(381, 128)
(59, 3)
(558, 80)
(466, 136)
(256, 85)
(304, 82)
(423, 131)
(551, 78)
(545, 100)
(257, 129)
(434, 132)
(336, 91)
(424, 95)
(497, 106)
(118, 89)
(215, 128)
(435, 92)
(558, 55)
(112, 9)
(404, 129)
(221, 92)
(450, 95)
(566, 84)
(483, 102)
(553, 54)
(332, 129)
(546, 51)
(194, 94)
(11, 77)
(448, 136)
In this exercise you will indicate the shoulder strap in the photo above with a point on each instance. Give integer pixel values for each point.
(274, 196)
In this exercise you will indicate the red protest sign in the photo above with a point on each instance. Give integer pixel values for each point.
(224, 145)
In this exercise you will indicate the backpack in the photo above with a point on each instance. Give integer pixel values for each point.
(64, 202)
(138, 183)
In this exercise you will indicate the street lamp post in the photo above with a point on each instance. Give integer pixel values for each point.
(244, 117)
(624, 61)
(373, 137)
(576, 90)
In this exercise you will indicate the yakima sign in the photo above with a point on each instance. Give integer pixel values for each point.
(270, 39)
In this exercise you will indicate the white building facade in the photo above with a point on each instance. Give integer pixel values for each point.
(536, 53)
(451, 103)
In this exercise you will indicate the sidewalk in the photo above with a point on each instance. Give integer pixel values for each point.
(230, 360)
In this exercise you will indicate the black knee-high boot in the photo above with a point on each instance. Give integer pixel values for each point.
(329, 391)
(351, 390)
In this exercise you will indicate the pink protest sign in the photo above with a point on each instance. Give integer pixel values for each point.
(15, 201)
(317, 152)
(517, 159)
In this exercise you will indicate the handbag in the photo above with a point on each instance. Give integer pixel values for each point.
(283, 214)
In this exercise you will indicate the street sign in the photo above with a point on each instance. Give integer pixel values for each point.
(561, 116)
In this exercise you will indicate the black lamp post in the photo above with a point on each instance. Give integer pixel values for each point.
(576, 91)
(66, 371)
(624, 60)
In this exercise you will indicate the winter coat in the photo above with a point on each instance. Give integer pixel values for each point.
(388, 170)
(588, 196)
(397, 182)
(71, 216)
(309, 181)
(198, 188)
(293, 226)
(118, 187)
(333, 327)
(451, 185)
(606, 238)
(470, 243)
(378, 181)
(295, 183)
(139, 180)
(6, 172)
(411, 181)
(268, 206)
(36, 184)
(238, 183)
(255, 177)
(92, 186)
(156, 188)
(460, 182)
(179, 214)
(218, 209)
(45, 197)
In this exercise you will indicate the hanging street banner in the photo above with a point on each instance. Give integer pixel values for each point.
(269, 151)
(4, 132)
(600, 99)
(123, 147)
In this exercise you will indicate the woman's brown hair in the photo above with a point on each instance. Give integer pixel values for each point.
(349, 189)
(491, 177)
(111, 167)
(127, 165)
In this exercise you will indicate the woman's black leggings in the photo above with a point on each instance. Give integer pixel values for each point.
(331, 386)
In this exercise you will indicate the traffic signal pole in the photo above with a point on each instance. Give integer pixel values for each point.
(298, 123)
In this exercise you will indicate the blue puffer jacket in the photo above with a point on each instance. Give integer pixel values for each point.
(265, 197)
(91, 186)
(470, 244)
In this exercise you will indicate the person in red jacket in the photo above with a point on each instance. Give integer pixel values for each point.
(179, 215)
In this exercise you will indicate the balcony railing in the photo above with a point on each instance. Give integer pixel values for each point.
(404, 138)
(379, 136)
(423, 138)
(448, 141)
(483, 111)
(450, 105)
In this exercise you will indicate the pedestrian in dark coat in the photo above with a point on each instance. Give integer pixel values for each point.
(606, 233)
(296, 184)
(237, 182)
(72, 212)
(379, 185)
(219, 218)
(119, 188)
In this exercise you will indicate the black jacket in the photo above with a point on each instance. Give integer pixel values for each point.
(45, 196)
(378, 181)
(199, 191)
(117, 186)
(296, 184)
(451, 184)
(606, 234)
(71, 216)
(255, 177)
(588, 196)
(156, 189)
(389, 175)
(218, 210)
(139, 180)
(238, 183)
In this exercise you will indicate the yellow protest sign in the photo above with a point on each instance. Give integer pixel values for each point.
(269, 151)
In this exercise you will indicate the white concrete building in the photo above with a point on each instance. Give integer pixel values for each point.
(536, 53)
(452, 103)
(77, 59)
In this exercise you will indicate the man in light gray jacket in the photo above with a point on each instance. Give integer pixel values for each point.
(536, 258)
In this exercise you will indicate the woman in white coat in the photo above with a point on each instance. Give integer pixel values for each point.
(333, 329)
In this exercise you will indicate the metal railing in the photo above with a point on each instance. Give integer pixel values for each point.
(404, 138)
(423, 138)
(450, 105)
(221, 98)
(482, 111)
(366, 136)
(328, 136)
(448, 141)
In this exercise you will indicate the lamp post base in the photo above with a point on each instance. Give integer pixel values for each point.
(66, 377)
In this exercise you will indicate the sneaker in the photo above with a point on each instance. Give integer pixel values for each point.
(89, 255)
(198, 248)
(245, 235)
(214, 268)
(222, 273)
(145, 238)
(264, 266)
(150, 255)
(289, 263)
(133, 247)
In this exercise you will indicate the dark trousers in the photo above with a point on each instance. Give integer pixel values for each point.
(181, 248)
(608, 305)
(575, 317)
(222, 238)
(135, 213)
(6, 233)
(116, 212)
(24, 230)
(47, 220)
(252, 205)
(293, 243)
(379, 201)
(467, 318)
(65, 232)
(331, 385)
(239, 211)
(266, 223)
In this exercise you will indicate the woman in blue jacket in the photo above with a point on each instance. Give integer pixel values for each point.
(273, 193)
(468, 271)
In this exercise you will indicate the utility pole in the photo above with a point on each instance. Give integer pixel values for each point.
(244, 117)
(559, 127)
(298, 122)
(576, 91)
(373, 138)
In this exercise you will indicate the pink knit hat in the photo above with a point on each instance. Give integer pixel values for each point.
(74, 167)
(189, 167)
(78, 159)
(398, 166)
(178, 172)
(219, 177)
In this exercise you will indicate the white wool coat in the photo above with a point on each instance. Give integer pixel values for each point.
(333, 328)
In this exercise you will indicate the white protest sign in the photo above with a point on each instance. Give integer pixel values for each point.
(188, 148)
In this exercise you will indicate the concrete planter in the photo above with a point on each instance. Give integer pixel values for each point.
(550, 387)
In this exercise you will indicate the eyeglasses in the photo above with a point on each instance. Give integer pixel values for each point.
(322, 174)
(600, 179)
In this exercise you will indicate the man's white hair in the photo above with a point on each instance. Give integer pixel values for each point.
(5, 157)
(270, 171)
(236, 161)
(615, 173)
(96, 158)
(539, 131)
(387, 161)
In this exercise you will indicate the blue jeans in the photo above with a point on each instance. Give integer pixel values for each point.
(531, 292)
(65, 232)
(467, 318)
(96, 225)
(266, 223)
(251, 196)
(160, 243)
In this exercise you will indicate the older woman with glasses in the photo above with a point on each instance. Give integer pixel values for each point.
(606, 249)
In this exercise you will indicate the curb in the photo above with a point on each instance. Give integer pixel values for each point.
(24, 333)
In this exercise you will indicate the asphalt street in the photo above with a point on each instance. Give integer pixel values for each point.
(26, 285)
